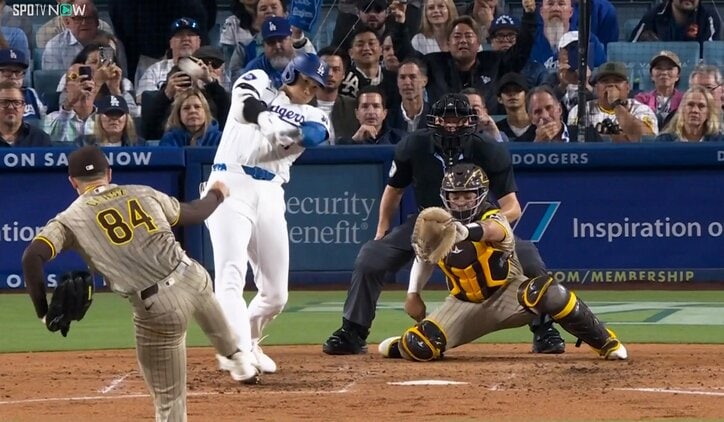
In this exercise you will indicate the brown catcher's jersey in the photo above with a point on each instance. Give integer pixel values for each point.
(122, 232)
(475, 270)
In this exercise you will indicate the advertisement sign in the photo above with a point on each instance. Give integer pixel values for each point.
(35, 188)
(600, 227)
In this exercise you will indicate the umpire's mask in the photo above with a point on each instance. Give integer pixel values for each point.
(452, 121)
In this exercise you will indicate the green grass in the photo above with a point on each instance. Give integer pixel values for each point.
(108, 324)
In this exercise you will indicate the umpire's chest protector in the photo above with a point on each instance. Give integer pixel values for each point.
(475, 270)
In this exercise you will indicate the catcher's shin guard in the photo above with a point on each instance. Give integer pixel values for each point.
(424, 342)
(544, 296)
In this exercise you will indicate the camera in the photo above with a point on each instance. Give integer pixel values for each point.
(105, 55)
(608, 127)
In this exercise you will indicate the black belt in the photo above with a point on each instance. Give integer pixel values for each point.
(148, 292)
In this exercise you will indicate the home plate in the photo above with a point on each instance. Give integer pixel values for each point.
(427, 382)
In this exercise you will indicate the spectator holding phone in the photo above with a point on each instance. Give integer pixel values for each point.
(76, 116)
(567, 88)
(198, 75)
(107, 74)
(190, 122)
(113, 125)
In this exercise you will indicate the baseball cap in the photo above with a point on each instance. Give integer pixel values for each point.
(276, 27)
(512, 78)
(504, 22)
(567, 39)
(210, 53)
(111, 103)
(185, 23)
(666, 55)
(610, 68)
(372, 5)
(86, 161)
(10, 56)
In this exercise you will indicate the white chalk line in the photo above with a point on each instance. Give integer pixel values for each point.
(190, 394)
(115, 383)
(673, 391)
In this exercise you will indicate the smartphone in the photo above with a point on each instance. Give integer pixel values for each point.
(105, 55)
(85, 71)
(572, 49)
(185, 84)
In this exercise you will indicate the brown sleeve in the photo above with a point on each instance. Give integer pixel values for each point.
(195, 212)
(34, 257)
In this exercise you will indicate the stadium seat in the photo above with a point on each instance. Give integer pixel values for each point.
(642, 52)
(46, 82)
(38, 58)
(628, 28)
(714, 52)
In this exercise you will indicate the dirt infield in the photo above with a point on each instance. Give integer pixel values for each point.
(497, 382)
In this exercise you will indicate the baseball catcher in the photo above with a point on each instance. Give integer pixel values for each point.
(473, 244)
(71, 300)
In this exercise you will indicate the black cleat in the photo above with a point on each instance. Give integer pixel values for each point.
(548, 340)
(344, 342)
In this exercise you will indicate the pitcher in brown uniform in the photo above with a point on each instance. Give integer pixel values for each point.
(124, 233)
(488, 291)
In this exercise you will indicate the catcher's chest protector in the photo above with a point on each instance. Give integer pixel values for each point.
(475, 270)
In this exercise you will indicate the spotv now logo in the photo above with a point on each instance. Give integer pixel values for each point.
(38, 9)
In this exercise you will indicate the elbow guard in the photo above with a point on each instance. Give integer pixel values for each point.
(313, 134)
(252, 108)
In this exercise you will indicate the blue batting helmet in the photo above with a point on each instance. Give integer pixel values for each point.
(308, 65)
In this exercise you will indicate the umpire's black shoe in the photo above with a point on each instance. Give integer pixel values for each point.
(344, 342)
(547, 339)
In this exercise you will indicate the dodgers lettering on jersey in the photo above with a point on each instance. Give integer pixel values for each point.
(243, 143)
(475, 270)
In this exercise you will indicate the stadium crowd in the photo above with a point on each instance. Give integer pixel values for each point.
(157, 73)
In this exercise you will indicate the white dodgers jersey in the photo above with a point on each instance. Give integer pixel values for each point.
(243, 143)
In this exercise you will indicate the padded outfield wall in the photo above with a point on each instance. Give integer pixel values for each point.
(600, 214)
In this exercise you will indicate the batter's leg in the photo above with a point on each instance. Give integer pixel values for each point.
(230, 232)
(269, 256)
(546, 339)
(375, 258)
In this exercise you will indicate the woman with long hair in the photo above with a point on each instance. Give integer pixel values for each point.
(696, 120)
(107, 75)
(113, 125)
(190, 122)
(436, 18)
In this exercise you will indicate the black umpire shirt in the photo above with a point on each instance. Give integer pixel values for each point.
(419, 163)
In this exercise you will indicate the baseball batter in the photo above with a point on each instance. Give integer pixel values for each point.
(117, 228)
(488, 291)
(267, 129)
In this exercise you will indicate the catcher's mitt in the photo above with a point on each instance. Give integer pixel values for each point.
(434, 235)
(70, 301)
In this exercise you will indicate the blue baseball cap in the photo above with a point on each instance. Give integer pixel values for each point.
(181, 24)
(13, 57)
(504, 22)
(111, 103)
(276, 27)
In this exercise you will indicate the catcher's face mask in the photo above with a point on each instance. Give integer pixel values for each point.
(464, 190)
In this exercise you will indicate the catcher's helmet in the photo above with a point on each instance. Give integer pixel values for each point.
(465, 177)
(308, 65)
(452, 120)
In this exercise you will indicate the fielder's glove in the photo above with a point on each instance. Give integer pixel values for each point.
(70, 301)
(434, 235)
(277, 130)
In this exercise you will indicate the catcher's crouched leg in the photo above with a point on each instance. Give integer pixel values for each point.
(543, 295)
(424, 342)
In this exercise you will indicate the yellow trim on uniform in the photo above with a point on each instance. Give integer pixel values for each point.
(543, 290)
(91, 187)
(488, 213)
(175, 220)
(49, 243)
(567, 309)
